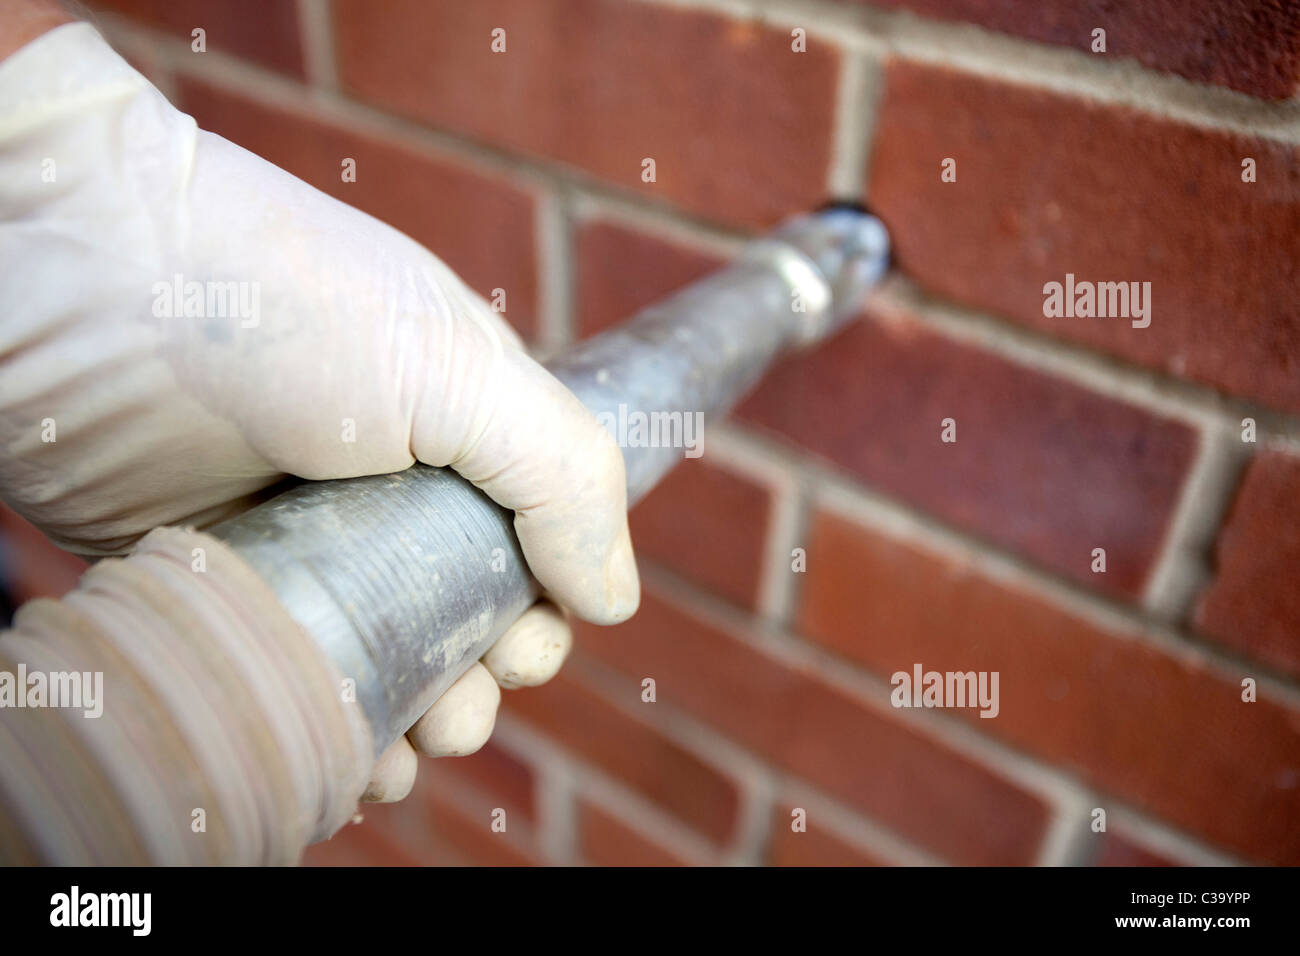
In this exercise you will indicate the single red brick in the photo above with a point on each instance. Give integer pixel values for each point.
(1049, 184)
(815, 846)
(605, 840)
(1040, 465)
(791, 716)
(1253, 604)
(1118, 850)
(1248, 45)
(479, 225)
(620, 271)
(708, 524)
(357, 846)
(739, 125)
(1161, 732)
(265, 31)
(633, 751)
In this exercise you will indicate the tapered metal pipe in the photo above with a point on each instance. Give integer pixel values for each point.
(404, 580)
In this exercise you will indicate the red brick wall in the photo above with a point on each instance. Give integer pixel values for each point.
(1121, 690)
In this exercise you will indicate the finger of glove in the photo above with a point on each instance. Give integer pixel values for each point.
(393, 775)
(461, 720)
(532, 651)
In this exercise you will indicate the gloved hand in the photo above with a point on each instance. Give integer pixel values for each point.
(345, 349)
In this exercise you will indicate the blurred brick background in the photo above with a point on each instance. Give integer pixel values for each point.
(1119, 690)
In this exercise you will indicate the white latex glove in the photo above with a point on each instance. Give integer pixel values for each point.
(106, 192)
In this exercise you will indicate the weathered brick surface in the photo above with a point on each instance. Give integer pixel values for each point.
(497, 774)
(605, 840)
(471, 838)
(633, 751)
(1248, 45)
(1165, 734)
(791, 716)
(264, 31)
(815, 846)
(709, 524)
(1118, 850)
(480, 225)
(1253, 604)
(1040, 466)
(738, 124)
(1049, 184)
(440, 824)
(357, 846)
(619, 271)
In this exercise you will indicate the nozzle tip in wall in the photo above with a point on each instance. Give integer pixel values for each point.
(848, 244)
